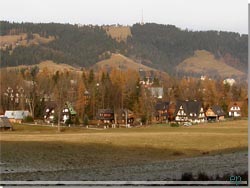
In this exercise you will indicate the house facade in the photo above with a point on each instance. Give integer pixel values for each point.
(49, 112)
(68, 112)
(161, 111)
(156, 92)
(189, 111)
(105, 116)
(126, 115)
(234, 109)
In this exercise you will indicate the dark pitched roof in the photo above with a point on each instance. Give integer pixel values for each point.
(162, 106)
(218, 110)
(110, 111)
(50, 105)
(190, 107)
(236, 103)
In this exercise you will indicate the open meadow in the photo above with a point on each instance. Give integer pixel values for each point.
(76, 153)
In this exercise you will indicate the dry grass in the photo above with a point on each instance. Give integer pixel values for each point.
(45, 148)
(48, 67)
(32, 150)
(120, 33)
(21, 39)
(204, 62)
(119, 61)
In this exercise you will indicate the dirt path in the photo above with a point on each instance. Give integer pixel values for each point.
(163, 170)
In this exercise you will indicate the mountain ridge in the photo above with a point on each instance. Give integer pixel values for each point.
(162, 47)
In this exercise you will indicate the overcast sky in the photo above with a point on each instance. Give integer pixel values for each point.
(226, 15)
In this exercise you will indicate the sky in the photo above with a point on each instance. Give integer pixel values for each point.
(225, 15)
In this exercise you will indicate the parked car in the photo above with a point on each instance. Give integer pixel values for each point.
(187, 124)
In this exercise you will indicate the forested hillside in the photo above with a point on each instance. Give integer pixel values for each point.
(82, 46)
(159, 46)
(166, 45)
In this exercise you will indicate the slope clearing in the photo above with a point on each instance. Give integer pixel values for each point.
(203, 62)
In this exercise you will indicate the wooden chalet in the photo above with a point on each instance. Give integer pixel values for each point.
(124, 114)
(234, 109)
(215, 113)
(105, 116)
(189, 111)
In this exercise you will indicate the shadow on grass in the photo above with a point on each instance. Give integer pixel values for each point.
(24, 158)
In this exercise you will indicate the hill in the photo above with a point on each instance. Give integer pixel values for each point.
(48, 66)
(166, 46)
(22, 39)
(119, 61)
(162, 47)
(204, 63)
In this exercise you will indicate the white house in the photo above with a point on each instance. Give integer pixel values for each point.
(16, 116)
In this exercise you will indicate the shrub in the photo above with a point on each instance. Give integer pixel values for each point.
(77, 121)
(68, 121)
(203, 177)
(174, 125)
(144, 120)
(187, 176)
(85, 120)
(28, 119)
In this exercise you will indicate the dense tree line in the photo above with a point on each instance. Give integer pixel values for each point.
(90, 91)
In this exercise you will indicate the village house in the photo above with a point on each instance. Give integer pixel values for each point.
(215, 113)
(49, 114)
(126, 114)
(161, 111)
(156, 92)
(189, 111)
(146, 79)
(105, 116)
(68, 112)
(234, 109)
(16, 116)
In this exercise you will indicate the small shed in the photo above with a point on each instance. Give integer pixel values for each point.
(5, 124)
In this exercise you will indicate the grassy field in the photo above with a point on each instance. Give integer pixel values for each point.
(204, 62)
(120, 33)
(22, 40)
(40, 147)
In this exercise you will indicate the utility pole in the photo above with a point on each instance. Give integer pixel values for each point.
(126, 117)
(142, 23)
